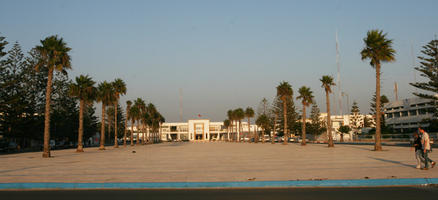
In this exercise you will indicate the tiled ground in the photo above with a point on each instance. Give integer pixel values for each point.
(215, 161)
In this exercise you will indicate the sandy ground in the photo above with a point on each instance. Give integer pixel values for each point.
(214, 161)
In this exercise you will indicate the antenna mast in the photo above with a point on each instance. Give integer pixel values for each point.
(180, 106)
(413, 65)
(339, 75)
(396, 91)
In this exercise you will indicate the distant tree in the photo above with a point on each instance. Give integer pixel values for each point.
(85, 91)
(239, 115)
(105, 95)
(3, 44)
(227, 125)
(128, 108)
(119, 89)
(263, 122)
(344, 130)
(134, 113)
(317, 126)
(54, 56)
(249, 113)
(306, 97)
(284, 92)
(377, 49)
(428, 69)
(231, 117)
(327, 83)
(355, 117)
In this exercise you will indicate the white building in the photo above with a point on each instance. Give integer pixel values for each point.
(201, 130)
(407, 115)
(347, 120)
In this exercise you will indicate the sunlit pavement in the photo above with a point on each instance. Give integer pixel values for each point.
(213, 162)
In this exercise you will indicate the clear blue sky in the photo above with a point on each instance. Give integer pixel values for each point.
(226, 54)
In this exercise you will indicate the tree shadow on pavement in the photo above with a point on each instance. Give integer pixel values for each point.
(393, 161)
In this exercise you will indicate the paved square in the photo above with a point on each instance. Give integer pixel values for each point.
(214, 161)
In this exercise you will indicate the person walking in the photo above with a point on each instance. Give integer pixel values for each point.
(425, 142)
(418, 150)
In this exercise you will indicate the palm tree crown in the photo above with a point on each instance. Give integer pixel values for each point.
(83, 89)
(377, 48)
(306, 96)
(54, 54)
(327, 82)
(284, 90)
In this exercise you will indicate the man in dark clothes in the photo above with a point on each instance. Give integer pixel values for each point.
(418, 151)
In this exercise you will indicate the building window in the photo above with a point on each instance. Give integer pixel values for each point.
(404, 113)
(422, 111)
(405, 124)
(413, 105)
(397, 114)
(389, 115)
(413, 112)
(173, 129)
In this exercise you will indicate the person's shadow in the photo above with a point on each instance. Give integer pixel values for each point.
(392, 161)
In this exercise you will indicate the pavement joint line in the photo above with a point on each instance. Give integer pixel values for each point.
(212, 185)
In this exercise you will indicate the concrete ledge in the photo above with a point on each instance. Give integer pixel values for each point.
(200, 185)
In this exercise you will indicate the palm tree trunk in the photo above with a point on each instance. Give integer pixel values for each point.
(145, 130)
(46, 148)
(240, 130)
(102, 129)
(329, 123)
(126, 128)
(285, 122)
(303, 142)
(81, 126)
(378, 145)
(138, 132)
(116, 144)
(109, 129)
(132, 132)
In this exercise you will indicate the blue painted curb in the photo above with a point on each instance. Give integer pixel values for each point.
(249, 184)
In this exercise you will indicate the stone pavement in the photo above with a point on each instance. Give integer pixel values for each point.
(214, 161)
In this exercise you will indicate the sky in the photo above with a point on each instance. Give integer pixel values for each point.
(229, 53)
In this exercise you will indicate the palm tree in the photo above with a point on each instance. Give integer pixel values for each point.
(110, 114)
(133, 113)
(119, 89)
(327, 82)
(284, 92)
(377, 49)
(85, 91)
(249, 113)
(128, 109)
(306, 99)
(140, 104)
(230, 115)
(105, 95)
(161, 120)
(227, 125)
(239, 114)
(263, 122)
(54, 56)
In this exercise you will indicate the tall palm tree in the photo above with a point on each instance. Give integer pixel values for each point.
(377, 49)
(306, 99)
(327, 83)
(54, 56)
(133, 113)
(105, 95)
(85, 91)
(249, 113)
(161, 120)
(227, 125)
(230, 114)
(128, 109)
(119, 89)
(239, 114)
(140, 104)
(284, 92)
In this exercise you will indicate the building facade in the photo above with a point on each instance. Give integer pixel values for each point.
(407, 115)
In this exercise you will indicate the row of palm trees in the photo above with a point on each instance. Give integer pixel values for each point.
(235, 117)
(108, 93)
(377, 49)
(147, 119)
